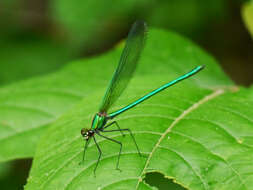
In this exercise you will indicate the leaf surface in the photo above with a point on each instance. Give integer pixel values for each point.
(27, 108)
(26, 57)
(198, 133)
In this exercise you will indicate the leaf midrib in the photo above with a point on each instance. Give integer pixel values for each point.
(205, 99)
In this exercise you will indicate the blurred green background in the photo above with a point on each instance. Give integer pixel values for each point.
(41, 36)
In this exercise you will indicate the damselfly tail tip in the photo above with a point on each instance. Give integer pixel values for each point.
(202, 66)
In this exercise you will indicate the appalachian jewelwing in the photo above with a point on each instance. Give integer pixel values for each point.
(129, 58)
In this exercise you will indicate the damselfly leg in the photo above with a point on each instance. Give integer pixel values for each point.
(117, 166)
(110, 124)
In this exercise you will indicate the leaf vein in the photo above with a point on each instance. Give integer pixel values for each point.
(222, 128)
(104, 158)
(28, 108)
(75, 155)
(189, 164)
(206, 98)
(220, 157)
(126, 179)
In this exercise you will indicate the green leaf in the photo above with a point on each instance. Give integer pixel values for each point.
(28, 107)
(29, 52)
(103, 22)
(247, 14)
(198, 133)
(203, 140)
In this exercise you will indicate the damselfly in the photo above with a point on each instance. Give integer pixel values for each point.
(127, 64)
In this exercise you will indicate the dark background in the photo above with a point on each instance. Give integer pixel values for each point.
(41, 36)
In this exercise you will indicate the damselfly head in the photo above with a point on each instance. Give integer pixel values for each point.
(87, 133)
